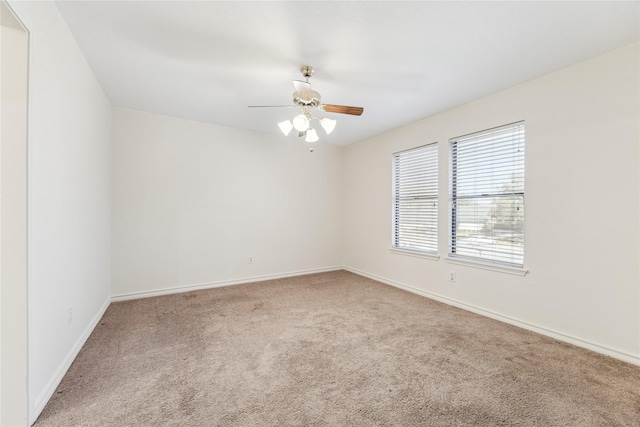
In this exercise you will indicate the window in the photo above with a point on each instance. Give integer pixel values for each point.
(415, 199)
(487, 196)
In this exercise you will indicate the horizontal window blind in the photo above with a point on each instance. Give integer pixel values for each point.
(415, 199)
(486, 195)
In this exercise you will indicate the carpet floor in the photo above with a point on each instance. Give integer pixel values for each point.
(331, 349)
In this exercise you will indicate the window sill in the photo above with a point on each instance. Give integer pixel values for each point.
(518, 271)
(417, 254)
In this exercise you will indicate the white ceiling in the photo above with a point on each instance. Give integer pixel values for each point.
(401, 61)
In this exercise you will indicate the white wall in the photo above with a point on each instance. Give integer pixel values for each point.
(582, 185)
(13, 219)
(192, 202)
(69, 199)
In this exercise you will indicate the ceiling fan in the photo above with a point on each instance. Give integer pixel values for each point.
(307, 100)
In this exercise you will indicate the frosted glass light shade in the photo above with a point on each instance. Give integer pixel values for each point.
(301, 123)
(328, 124)
(312, 135)
(286, 126)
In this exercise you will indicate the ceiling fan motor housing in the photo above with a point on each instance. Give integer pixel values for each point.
(307, 99)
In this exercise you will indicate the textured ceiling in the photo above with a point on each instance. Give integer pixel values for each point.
(401, 61)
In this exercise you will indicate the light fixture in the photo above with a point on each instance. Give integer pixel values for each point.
(327, 124)
(301, 123)
(286, 126)
(312, 135)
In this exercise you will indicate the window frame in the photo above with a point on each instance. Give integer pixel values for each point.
(519, 140)
(431, 154)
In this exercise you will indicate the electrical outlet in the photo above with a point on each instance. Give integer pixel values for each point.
(452, 276)
(250, 260)
(70, 314)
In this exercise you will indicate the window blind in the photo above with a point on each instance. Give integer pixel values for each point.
(487, 195)
(415, 199)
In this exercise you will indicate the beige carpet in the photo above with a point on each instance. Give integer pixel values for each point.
(332, 349)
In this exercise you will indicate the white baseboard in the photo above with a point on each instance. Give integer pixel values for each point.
(189, 288)
(560, 336)
(46, 394)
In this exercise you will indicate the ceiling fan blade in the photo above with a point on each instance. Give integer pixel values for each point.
(271, 106)
(303, 89)
(342, 109)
